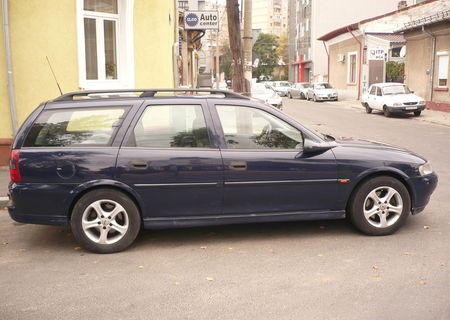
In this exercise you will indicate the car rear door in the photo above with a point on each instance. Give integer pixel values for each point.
(264, 168)
(169, 156)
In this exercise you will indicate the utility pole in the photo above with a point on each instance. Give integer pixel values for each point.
(248, 43)
(234, 33)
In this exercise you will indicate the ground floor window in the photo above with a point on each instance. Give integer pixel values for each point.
(442, 68)
(351, 71)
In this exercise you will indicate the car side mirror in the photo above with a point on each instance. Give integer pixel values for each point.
(310, 146)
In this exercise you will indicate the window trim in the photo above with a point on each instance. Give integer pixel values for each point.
(349, 54)
(124, 43)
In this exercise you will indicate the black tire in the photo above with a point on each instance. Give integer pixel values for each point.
(289, 95)
(131, 211)
(302, 95)
(361, 198)
(314, 98)
(386, 112)
(368, 109)
(417, 113)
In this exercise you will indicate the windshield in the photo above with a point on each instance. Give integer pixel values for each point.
(282, 84)
(322, 86)
(397, 89)
(260, 89)
(303, 85)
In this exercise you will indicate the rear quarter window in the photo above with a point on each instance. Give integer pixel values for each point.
(75, 127)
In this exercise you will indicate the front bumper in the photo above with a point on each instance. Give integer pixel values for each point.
(326, 98)
(404, 109)
(422, 188)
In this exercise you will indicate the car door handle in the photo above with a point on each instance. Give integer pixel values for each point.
(139, 164)
(238, 165)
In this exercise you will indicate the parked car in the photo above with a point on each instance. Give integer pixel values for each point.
(321, 91)
(391, 98)
(281, 87)
(108, 163)
(267, 95)
(298, 90)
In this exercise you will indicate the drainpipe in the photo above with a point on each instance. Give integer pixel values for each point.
(10, 80)
(328, 62)
(433, 59)
(360, 62)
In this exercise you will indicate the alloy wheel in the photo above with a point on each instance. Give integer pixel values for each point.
(383, 206)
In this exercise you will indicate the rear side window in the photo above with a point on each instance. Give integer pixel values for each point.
(171, 126)
(75, 127)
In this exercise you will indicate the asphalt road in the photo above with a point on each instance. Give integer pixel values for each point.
(301, 270)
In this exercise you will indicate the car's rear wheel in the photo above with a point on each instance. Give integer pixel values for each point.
(380, 206)
(368, 109)
(417, 113)
(105, 221)
(386, 112)
(289, 95)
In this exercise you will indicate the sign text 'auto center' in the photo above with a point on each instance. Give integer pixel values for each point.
(201, 20)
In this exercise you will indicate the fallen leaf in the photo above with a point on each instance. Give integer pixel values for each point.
(406, 253)
(176, 283)
(270, 250)
(422, 282)
(375, 267)
(203, 247)
(426, 227)
(209, 278)
(77, 248)
(322, 227)
(22, 250)
(375, 275)
(230, 248)
(4, 243)
(140, 267)
(320, 255)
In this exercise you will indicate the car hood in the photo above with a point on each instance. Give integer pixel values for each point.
(370, 144)
(283, 89)
(324, 91)
(403, 98)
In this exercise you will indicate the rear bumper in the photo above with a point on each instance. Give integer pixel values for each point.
(405, 109)
(423, 189)
(37, 218)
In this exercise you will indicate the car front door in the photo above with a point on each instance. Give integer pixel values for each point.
(265, 170)
(169, 158)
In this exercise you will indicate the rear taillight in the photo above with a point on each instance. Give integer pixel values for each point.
(14, 170)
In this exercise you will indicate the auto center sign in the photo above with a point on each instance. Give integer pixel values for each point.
(201, 20)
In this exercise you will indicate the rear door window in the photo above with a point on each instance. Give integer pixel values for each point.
(171, 126)
(76, 127)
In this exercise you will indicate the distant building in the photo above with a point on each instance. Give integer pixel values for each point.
(358, 52)
(427, 58)
(271, 16)
(309, 19)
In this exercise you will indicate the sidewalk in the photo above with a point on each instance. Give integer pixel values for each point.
(430, 116)
(4, 180)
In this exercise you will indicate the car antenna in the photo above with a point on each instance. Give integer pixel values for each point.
(56, 80)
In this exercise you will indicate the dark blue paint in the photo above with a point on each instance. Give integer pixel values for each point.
(274, 186)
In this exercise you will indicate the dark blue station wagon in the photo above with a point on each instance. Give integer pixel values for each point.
(109, 163)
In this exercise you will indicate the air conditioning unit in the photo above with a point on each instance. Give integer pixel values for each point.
(341, 57)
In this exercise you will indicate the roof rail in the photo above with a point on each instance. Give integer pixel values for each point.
(144, 93)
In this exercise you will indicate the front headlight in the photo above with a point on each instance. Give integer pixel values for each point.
(425, 169)
(397, 104)
(421, 102)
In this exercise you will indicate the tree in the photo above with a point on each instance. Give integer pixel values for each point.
(226, 60)
(282, 49)
(265, 48)
(234, 34)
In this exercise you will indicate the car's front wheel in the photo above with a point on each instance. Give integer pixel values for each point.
(105, 221)
(417, 113)
(380, 206)
(368, 108)
(386, 112)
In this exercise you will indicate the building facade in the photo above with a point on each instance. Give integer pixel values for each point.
(358, 52)
(427, 66)
(270, 16)
(90, 44)
(313, 18)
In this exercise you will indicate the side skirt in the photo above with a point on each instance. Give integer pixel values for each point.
(196, 221)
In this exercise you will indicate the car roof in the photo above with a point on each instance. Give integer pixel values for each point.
(387, 84)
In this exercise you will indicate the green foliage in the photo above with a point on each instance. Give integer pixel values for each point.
(226, 60)
(265, 48)
(395, 71)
